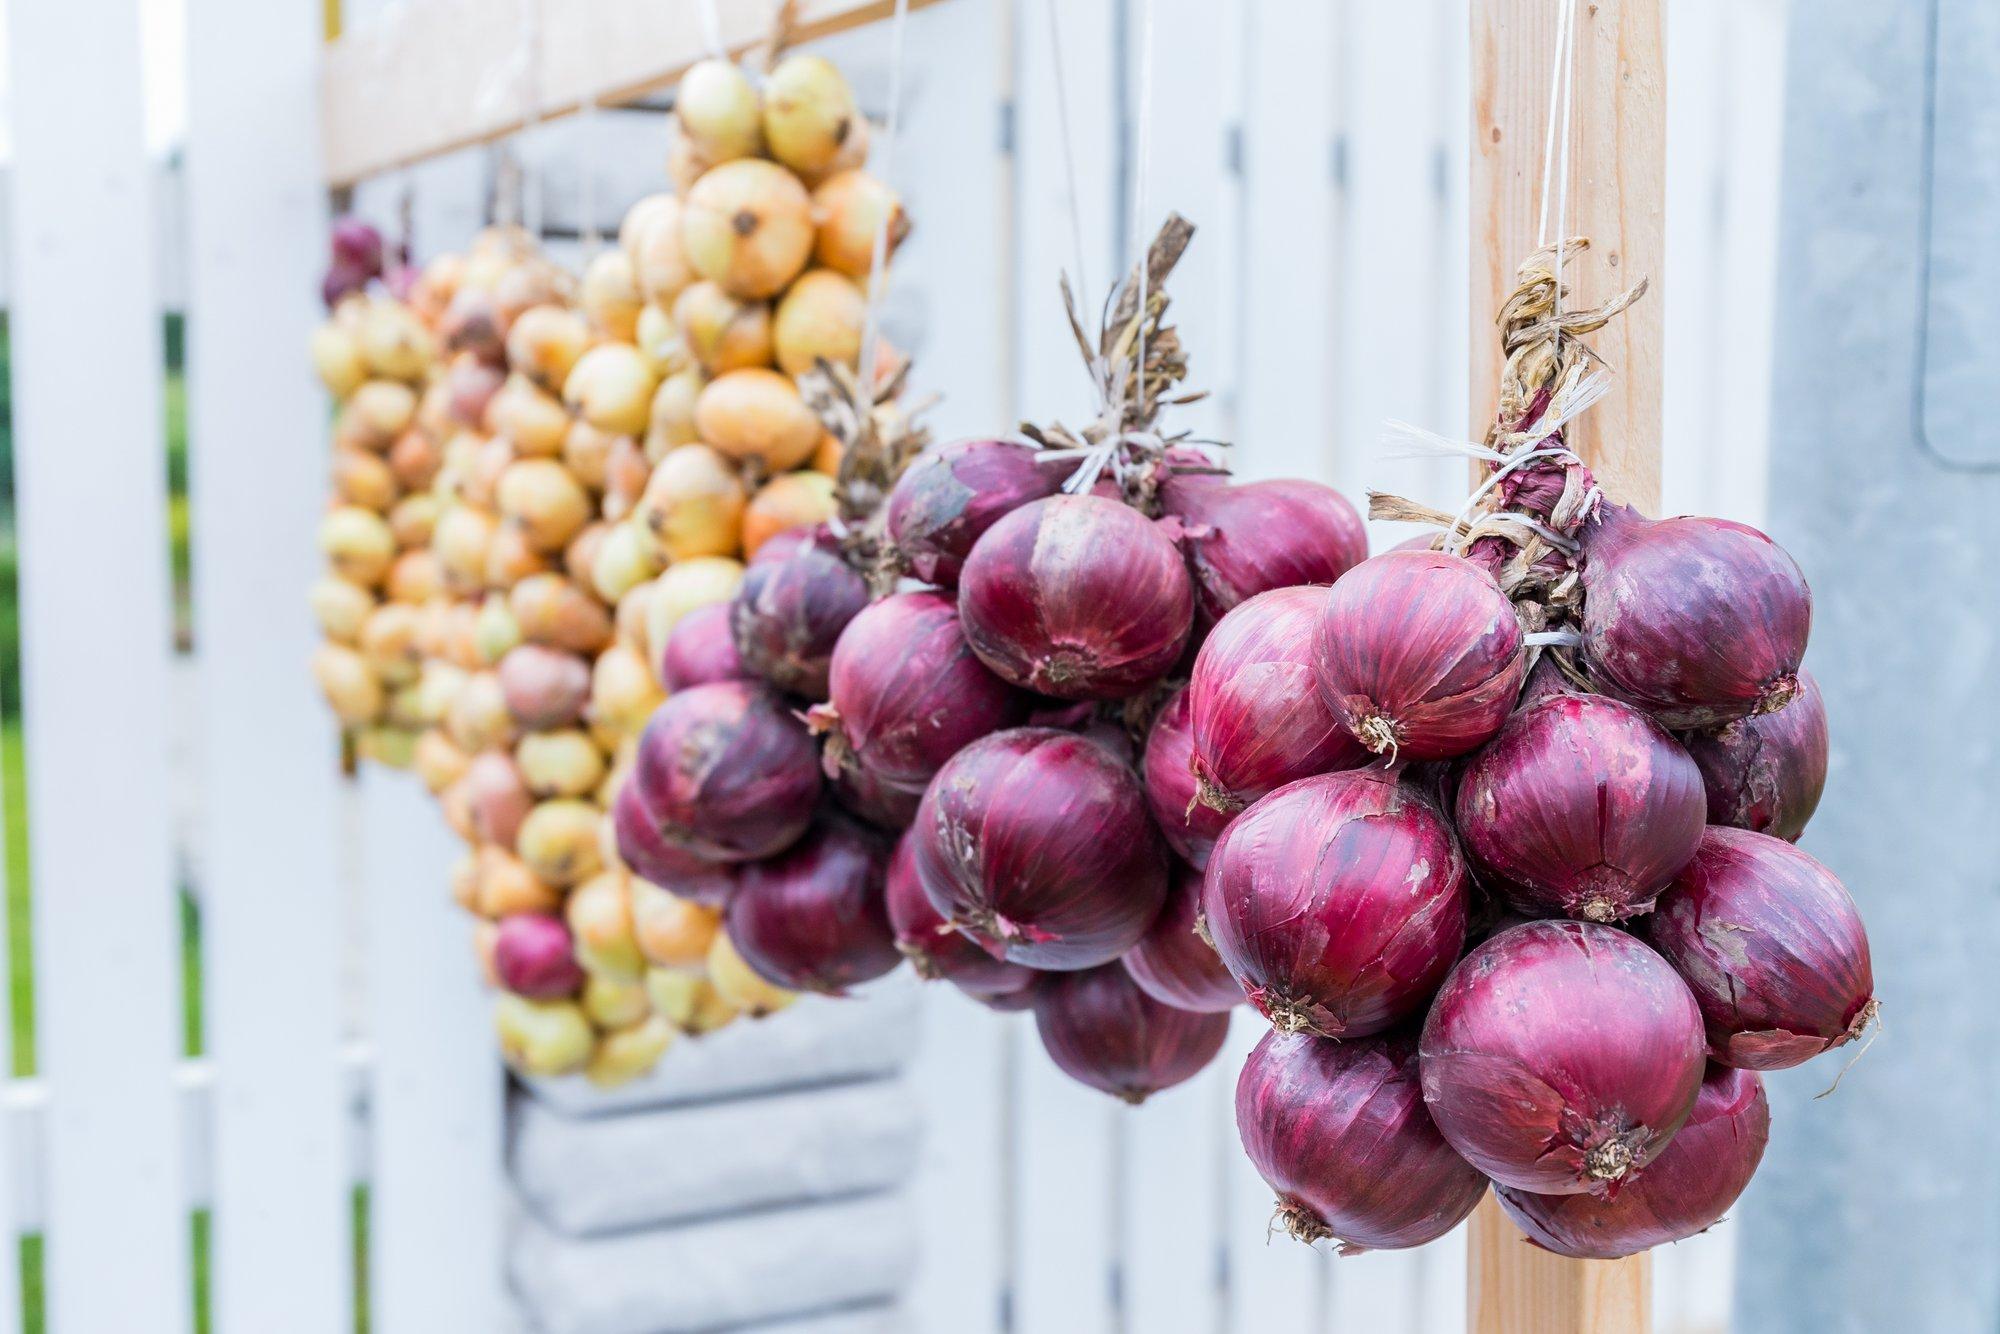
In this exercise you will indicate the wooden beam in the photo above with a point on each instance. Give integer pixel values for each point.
(430, 78)
(1617, 199)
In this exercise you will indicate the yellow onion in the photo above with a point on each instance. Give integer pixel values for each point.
(625, 473)
(819, 317)
(623, 693)
(809, 112)
(610, 295)
(340, 608)
(376, 414)
(684, 998)
(657, 261)
(671, 421)
(612, 388)
(851, 208)
(415, 577)
(543, 344)
(512, 557)
(722, 332)
(789, 501)
(613, 1002)
(528, 416)
(624, 1054)
(480, 484)
(542, 1037)
(558, 841)
(623, 560)
(414, 459)
(757, 414)
(336, 357)
(565, 763)
(436, 285)
(716, 108)
(553, 611)
(394, 343)
(462, 396)
(586, 452)
(479, 718)
(685, 162)
(390, 747)
(350, 685)
(599, 913)
(438, 760)
(681, 588)
(580, 556)
(545, 500)
(736, 983)
(507, 886)
(533, 282)
(632, 227)
(659, 338)
(364, 479)
(461, 540)
(671, 931)
(494, 629)
(693, 504)
(826, 455)
(748, 225)
(629, 624)
(357, 544)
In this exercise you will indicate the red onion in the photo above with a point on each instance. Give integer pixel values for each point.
(1036, 843)
(1017, 1001)
(787, 615)
(1772, 947)
(1191, 827)
(544, 687)
(1077, 597)
(1561, 1056)
(933, 948)
(1245, 538)
(1339, 1130)
(1697, 621)
(1339, 902)
(534, 957)
(782, 545)
(496, 797)
(659, 862)
(1685, 1190)
(950, 494)
(1259, 722)
(1582, 806)
(1100, 1029)
(700, 649)
(1766, 773)
(886, 805)
(1172, 962)
(813, 918)
(905, 693)
(1419, 654)
(342, 280)
(724, 771)
(357, 243)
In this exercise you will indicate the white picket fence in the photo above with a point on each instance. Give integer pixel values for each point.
(1320, 148)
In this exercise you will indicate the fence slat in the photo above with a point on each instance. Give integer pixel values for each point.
(436, 1198)
(94, 617)
(270, 891)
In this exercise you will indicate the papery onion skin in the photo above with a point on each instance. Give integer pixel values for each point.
(1419, 654)
(1698, 621)
(534, 956)
(951, 494)
(1583, 806)
(1257, 717)
(1245, 538)
(1036, 843)
(1560, 1057)
(1173, 964)
(724, 771)
(814, 918)
(1079, 597)
(1685, 1190)
(1339, 902)
(906, 693)
(788, 614)
(1339, 1130)
(700, 649)
(1101, 1030)
(1771, 945)
(659, 862)
(1189, 825)
(934, 949)
(1766, 773)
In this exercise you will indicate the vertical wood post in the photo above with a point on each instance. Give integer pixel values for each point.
(1617, 199)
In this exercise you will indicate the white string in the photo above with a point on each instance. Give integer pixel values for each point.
(530, 182)
(1139, 174)
(1563, 13)
(586, 184)
(1566, 58)
(878, 259)
(1069, 156)
(711, 29)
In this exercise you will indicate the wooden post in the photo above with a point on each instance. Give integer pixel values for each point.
(1617, 198)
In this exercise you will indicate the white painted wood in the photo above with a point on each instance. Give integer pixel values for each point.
(90, 466)
(270, 894)
(436, 1198)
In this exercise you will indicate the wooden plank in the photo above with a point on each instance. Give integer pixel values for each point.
(255, 223)
(436, 1198)
(426, 79)
(90, 467)
(1618, 199)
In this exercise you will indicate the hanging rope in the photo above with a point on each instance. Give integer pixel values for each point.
(711, 29)
(1139, 177)
(586, 179)
(1069, 154)
(878, 259)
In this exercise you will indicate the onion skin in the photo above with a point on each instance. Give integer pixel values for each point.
(1772, 947)
(1685, 1190)
(886, 805)
(1078, 597)
(701, 649)
(906, 693)
(1419, 654)
(1697, 621)
(1245, 538)
(1581, 806)
(933, 948)
(1340, 1131)
(1258, 720)
(1101, 1030)
(1339, 902)
(1173, 964)
(534, 956)
(813, 918)
(724, 771)
(659, 862)
(1190, 826)
(1560, 1057)
(788, 615)
(1766, 773)
(951, 494)
(1036, 843)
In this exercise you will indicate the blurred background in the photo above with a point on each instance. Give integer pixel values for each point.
(219, 949)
